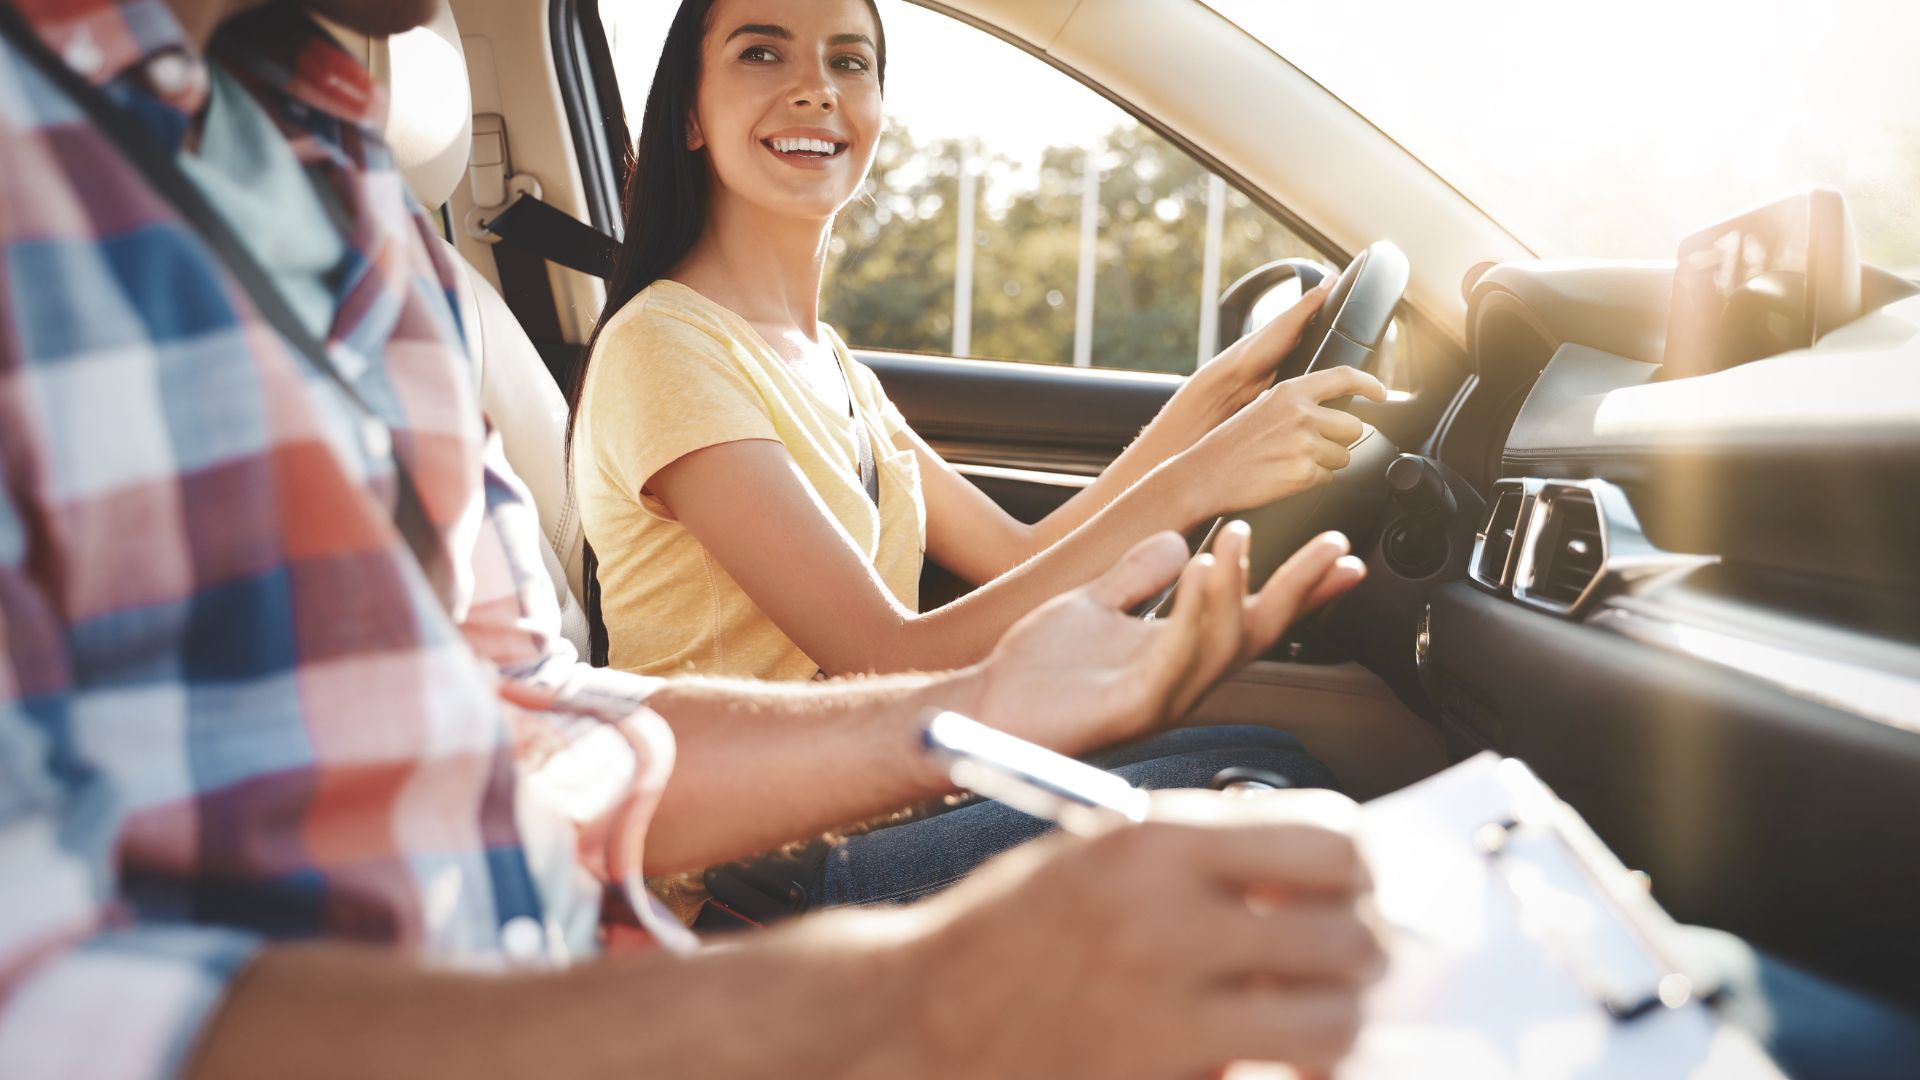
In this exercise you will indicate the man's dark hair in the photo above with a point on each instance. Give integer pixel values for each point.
(665, 209)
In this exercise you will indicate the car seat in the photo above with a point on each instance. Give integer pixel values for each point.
(429, 126)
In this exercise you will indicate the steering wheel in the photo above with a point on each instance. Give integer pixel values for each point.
(1347, 329)
(1350, 325)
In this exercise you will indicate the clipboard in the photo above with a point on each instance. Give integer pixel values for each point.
(1520, 946)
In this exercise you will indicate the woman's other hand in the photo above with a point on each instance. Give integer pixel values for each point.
(1212, 396)
(1282, 443)
(1239, 373)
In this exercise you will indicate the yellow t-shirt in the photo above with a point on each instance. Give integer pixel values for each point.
(674, 372)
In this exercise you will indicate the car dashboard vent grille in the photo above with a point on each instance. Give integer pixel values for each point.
(1566, 551)
(1570, 547)
(1493, 547)
(1562, 545)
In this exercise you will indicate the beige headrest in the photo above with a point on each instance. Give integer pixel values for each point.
(429, 107)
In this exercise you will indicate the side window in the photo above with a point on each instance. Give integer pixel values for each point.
(1014, 214)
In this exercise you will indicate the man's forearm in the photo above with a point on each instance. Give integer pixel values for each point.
(761, 764)
(817, 1000)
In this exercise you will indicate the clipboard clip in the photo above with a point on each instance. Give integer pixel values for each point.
(1537, 853)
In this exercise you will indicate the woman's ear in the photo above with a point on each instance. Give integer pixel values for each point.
(694, 139)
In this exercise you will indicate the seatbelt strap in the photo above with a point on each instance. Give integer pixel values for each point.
(533, 233)
(531, 227)
(528, 291)
(863, 445)
(556, 236)
(172, 184)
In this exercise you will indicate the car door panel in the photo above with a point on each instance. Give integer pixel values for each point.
(1028, 435)
(1036, 417)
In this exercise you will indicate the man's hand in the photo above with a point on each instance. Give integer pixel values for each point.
(1079, 672)
(1313, 576)
(1226, 929)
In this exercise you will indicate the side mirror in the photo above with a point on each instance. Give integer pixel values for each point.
(1264, 292)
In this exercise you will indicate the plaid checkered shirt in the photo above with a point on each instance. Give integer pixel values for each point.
(235, 706)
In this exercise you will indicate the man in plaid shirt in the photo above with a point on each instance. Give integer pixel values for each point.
(296, 775)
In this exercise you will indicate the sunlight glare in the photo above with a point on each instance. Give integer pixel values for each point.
(1614, 130)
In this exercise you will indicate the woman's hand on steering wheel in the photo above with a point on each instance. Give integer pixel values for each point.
(1282, 443)
(1240, 372)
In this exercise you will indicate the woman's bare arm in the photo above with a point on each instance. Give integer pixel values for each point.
(751, 507)
(974, 538)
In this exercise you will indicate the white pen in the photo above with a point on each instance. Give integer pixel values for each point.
(1076, 796)
(1032, 779)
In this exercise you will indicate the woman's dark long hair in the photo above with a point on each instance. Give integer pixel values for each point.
(665, 209)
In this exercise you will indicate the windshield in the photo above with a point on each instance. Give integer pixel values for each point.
(1614, 129)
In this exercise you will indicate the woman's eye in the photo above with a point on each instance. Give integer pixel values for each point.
(759, 54)
(851, 63)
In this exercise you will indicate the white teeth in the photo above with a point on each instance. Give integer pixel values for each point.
(793, 146)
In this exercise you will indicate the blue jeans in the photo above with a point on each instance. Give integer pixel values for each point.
(1815, 1029)
(905, 862)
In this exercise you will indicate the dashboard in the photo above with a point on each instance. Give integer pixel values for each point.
(1772, 282)
(1689, 596)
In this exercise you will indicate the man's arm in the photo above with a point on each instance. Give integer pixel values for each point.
(1155, 965)
(761, 764)
(328, 1011)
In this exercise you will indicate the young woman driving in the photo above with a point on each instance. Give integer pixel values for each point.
(757, 506)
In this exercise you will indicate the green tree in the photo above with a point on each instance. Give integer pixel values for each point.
(890, 281)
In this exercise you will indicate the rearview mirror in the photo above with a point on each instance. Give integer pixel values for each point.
(1263, 293)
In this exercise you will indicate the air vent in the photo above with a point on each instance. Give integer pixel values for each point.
(1567, 552)
(1575, 540)
(1494, 544)
(1569, 548)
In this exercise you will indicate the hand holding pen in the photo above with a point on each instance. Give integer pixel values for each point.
(1232, 928)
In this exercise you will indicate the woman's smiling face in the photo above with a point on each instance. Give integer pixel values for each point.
(788, 108)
